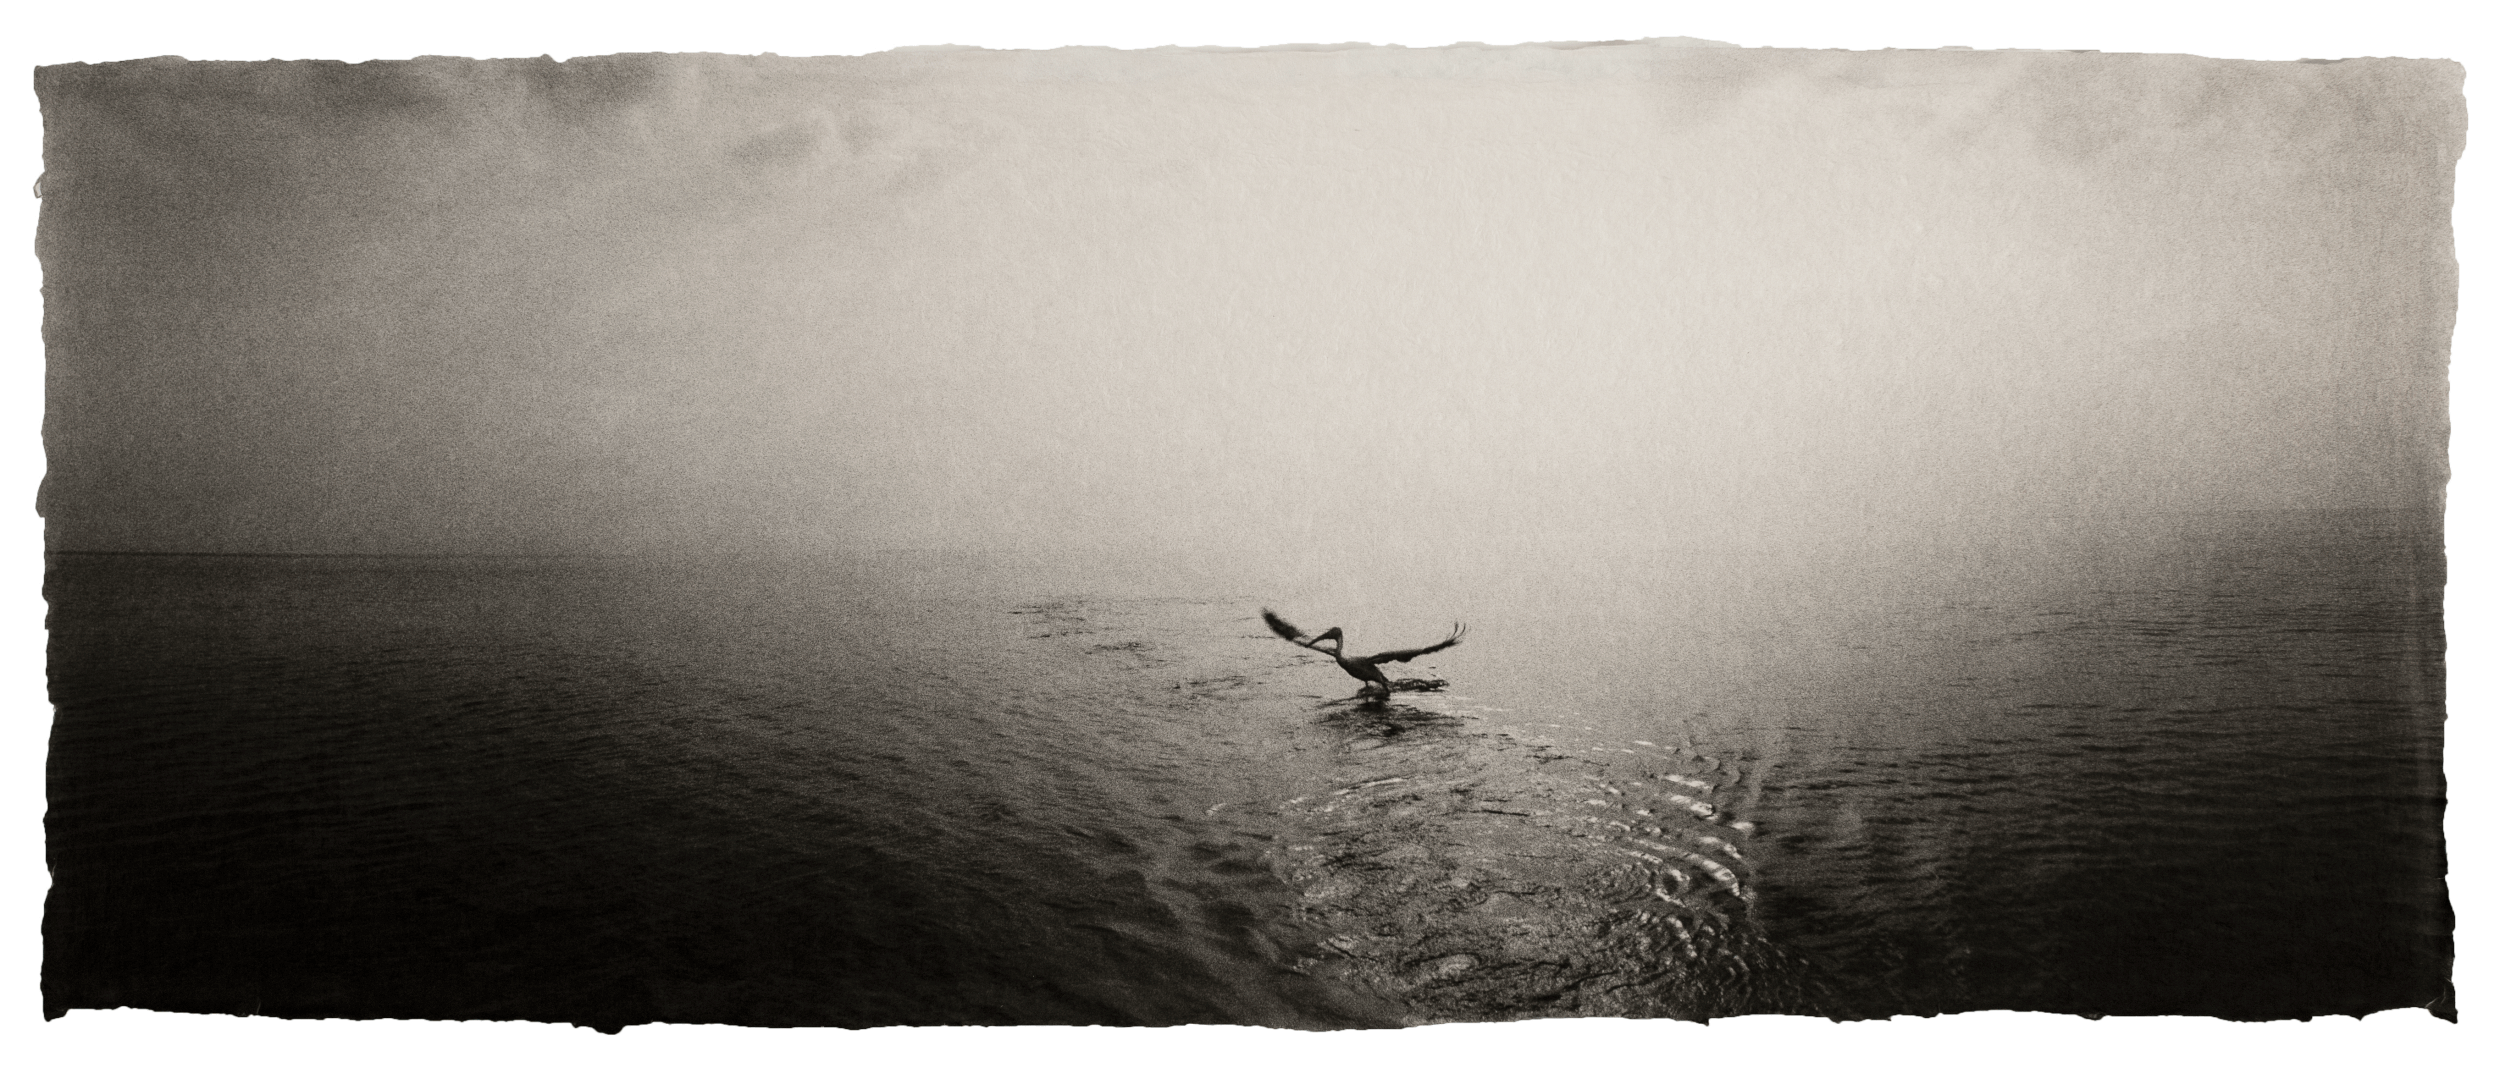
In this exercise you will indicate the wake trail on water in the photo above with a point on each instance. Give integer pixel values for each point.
(1465, 867)
(1482, 872)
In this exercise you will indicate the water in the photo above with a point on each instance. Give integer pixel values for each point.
(2196, 771)
(2213, 791)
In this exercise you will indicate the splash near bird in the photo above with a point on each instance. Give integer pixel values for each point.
(1331, 643)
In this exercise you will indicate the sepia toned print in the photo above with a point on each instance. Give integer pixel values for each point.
(772, 541)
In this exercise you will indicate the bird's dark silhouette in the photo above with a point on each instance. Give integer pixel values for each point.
(1331, 643)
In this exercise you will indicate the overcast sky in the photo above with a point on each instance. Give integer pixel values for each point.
(1209, 300)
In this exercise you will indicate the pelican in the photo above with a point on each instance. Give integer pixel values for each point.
(1331, 643)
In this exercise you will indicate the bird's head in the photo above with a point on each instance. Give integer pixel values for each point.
(1332, 640)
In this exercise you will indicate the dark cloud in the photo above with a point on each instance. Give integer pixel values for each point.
(788, 144)
(170, 94)
(2145, 108)
(591, 88)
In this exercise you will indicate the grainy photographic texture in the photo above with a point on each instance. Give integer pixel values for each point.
(710, 539)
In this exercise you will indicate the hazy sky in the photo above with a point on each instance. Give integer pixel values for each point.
(1353, 297)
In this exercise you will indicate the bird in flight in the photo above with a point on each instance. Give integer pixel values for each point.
(1331, 643)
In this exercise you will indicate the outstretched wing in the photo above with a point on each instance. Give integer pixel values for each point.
(1404, 654)
(1285, 630)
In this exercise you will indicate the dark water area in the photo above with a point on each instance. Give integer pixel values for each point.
(2196, 774)
(564, 791)
(2210, 786)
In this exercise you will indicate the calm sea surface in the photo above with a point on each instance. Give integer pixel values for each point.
(2185, 772)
